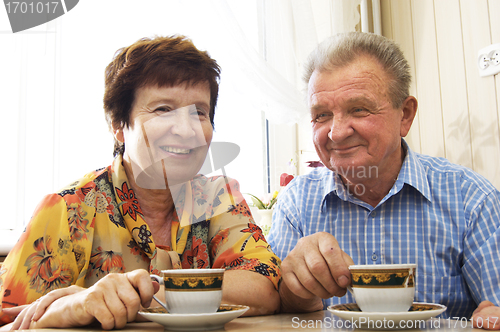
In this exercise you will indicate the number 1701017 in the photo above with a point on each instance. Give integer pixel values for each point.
(462, 322)
(16, 7)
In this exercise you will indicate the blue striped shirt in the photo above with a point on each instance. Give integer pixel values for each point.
(442, 216)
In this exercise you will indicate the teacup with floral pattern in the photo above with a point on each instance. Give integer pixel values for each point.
(383, 287)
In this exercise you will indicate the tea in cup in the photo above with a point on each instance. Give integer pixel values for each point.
(192, 291)
(387, 287)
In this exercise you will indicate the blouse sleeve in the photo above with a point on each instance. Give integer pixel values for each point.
(236, 242)
(43, 258)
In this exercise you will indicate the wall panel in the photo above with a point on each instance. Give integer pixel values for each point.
(402, 32)
(426, 79)
(480, 90)
(459, 111)
(453, 82)
(494, 9)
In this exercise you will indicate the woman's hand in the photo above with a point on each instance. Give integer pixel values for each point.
(32, 312)
(112, 301)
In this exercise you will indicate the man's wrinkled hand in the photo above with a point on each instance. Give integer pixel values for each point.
(317, 267)
(486, 316)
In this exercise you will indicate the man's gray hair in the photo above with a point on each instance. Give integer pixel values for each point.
(342, 49)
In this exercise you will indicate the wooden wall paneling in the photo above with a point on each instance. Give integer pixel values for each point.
(402, 33)
(483, 115)
(494, 9)
(385, 12)
(452, 82)
(426, 79)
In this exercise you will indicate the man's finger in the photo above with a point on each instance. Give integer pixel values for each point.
(296, 287)
(334, 257)
(316, 277)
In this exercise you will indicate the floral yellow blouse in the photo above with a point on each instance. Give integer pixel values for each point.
(95, 227)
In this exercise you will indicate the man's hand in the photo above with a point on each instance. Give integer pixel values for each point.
(315, 269)
(486, 316)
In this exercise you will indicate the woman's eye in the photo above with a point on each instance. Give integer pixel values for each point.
(201, 112)
(162, 109)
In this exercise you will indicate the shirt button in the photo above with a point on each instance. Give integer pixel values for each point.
(374, 214)
(374, 257)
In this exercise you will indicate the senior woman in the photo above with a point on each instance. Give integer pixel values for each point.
(87, 252)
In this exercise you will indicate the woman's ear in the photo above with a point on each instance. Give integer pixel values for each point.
(409, 110)
(118, 134)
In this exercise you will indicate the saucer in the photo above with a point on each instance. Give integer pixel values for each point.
(413, 318)
(194, 322)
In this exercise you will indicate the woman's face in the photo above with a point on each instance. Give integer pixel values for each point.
(169, 134)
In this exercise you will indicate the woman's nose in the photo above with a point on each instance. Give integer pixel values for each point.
(184, 124)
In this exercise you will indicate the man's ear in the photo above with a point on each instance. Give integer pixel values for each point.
(409, 110)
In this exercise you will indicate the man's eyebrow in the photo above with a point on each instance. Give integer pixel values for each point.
(361, 100)
(318, 107)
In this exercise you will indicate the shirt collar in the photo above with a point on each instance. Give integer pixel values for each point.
(412, 173)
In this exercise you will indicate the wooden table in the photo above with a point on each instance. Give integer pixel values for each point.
(315, 321)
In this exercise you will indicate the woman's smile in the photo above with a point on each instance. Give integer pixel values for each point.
(175, 150)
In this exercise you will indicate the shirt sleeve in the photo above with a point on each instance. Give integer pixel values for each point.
(482, 250)
(236, 242)
(285, 231)
(42, 259)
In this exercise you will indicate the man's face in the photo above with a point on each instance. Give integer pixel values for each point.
(356, 130)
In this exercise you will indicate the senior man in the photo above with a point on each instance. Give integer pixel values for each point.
(377, 201)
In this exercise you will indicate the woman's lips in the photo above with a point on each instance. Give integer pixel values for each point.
(175, 150)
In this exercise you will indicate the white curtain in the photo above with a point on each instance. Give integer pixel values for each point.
(290, 30)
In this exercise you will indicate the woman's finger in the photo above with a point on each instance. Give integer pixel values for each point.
(28, 316)
(118, 301)
(23, 319)
(95, 306)
(14, 311)
(141, 282)
(49, 298)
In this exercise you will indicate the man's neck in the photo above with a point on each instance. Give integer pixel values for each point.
(373, 188)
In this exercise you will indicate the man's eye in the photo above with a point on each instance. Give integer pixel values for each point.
(360, 111)
(323, 117)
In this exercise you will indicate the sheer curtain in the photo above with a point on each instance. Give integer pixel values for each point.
(291, 30)
(52, 87)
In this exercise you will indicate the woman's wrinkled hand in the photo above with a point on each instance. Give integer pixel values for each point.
(26, 314)
(113, 302)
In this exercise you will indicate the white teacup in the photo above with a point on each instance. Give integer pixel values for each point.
(387, 287)
(192, 291)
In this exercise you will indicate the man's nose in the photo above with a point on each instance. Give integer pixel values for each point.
(341, 128)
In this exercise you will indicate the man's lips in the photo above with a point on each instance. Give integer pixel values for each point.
(344, 148)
